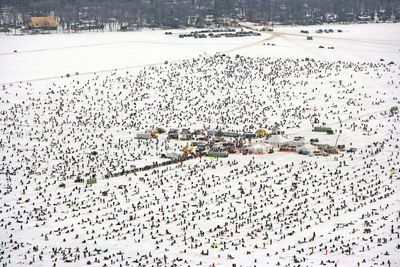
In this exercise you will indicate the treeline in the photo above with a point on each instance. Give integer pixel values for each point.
(200, 13)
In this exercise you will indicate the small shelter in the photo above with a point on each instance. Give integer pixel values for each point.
(43, 23)
(278, 141)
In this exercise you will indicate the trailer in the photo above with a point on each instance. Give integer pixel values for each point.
(322, 129)
(229, 134)
(217, 154)
(143, 136)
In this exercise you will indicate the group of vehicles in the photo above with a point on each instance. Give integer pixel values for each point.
(217, 33)
(327, 31)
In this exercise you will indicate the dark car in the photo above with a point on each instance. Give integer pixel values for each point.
(173, 134)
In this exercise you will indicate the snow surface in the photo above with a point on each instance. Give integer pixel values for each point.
(58, 54)
(262, 209)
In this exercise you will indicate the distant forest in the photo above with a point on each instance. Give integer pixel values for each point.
(200, 13)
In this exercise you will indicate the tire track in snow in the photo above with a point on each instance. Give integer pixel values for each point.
(342, 39)
(102, 44)
(300, 47)
(273, 35)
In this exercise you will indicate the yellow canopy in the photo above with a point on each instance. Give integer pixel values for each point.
(261, 133)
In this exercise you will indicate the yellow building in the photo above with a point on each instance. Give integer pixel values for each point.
(43, 23)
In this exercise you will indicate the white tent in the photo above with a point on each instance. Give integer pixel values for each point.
(307, 147)
(278, 141)
(261, 148)
(171, 154)
(299, 143)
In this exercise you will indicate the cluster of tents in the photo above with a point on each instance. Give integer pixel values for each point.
(279, 142)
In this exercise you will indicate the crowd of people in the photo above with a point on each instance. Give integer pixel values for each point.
(256, 210)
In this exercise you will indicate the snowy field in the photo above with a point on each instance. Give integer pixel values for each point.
(43, 56)
(279, 209)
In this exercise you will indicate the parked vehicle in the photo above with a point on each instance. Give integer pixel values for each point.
(160, 130)
(249, 135)
(173, 134)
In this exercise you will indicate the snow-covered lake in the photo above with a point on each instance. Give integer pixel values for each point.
(279, 209)
(42, 56)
